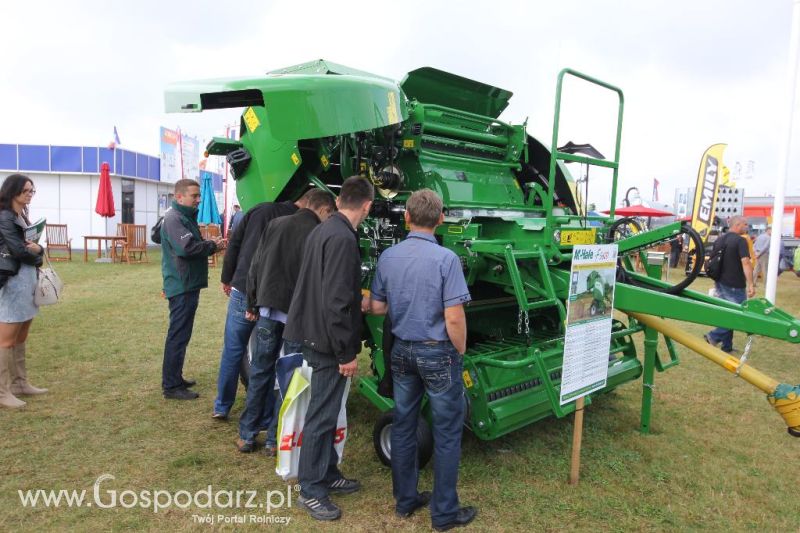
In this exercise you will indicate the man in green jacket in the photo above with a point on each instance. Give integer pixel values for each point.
(184, 267)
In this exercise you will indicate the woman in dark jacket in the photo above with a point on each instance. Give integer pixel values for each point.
(18, 261)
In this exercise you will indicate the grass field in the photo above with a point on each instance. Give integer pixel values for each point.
(719, 458)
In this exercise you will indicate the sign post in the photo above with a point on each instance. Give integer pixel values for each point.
(590, 307)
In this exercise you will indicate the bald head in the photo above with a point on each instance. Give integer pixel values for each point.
(738, 225)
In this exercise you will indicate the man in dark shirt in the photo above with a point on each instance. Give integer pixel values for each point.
(270, 284)
(422, 286)
(234, 283)
(325, 316)
(736, 280)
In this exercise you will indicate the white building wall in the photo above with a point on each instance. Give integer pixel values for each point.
(71, 198)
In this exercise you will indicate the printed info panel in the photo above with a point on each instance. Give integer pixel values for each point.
(590, 308)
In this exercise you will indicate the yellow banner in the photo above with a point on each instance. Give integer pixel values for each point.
(705, 194)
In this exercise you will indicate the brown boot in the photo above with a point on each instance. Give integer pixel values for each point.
(6, 398)
(19, 384)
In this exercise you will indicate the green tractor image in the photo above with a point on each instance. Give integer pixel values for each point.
(512, 216)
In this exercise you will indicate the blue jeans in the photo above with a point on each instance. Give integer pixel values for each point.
(182, 308)
(434, 369)
(234, 347)
(259, 410)
(722, 335)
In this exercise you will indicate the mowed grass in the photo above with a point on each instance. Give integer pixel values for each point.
(718, 458)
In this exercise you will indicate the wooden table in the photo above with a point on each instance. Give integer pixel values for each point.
(102, 238)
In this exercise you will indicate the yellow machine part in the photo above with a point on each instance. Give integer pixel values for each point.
(788, 405)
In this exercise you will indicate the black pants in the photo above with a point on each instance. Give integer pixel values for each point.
(182, 309)
(318, 458)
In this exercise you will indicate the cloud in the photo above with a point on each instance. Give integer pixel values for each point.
(694, 73)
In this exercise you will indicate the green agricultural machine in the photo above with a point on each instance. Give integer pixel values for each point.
(600, 291)
(511, 215)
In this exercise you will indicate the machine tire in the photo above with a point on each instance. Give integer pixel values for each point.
(593, 309)
(618, 229)
(793, 432)
(244, 371)
(381, 439)
(697, 266)
(244, 367)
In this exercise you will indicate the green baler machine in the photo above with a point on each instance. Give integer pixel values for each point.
(511, 215)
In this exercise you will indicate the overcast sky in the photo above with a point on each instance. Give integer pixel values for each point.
(694, 72)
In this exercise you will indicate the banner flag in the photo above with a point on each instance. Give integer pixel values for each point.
(705, 195)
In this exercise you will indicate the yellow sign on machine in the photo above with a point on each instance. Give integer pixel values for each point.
(571, 237)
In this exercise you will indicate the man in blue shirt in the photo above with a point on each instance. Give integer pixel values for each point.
(422, 286)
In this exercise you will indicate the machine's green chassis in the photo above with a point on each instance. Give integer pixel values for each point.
(509, 201)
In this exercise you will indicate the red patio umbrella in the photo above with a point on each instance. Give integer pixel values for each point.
(105, 197)
(641, 211)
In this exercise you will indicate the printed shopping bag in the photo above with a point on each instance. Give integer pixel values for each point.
(292, 418)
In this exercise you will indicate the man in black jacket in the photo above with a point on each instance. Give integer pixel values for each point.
(270, 284)
(240, 251)
(325, 316)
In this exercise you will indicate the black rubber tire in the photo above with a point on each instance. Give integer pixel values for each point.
(793, 432)
(697, 266)
(244, 371)
(244, 367)
(381, 439)
(612, 230)
(593, 309)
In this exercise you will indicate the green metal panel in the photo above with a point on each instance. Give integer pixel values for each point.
(299, 106)
(435, 86)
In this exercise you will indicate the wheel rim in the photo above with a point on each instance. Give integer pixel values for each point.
(386, 441)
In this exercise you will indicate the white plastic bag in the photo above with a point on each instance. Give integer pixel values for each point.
(292, 418)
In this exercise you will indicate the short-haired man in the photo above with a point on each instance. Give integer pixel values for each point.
(238, 256)
(325, 316)
(761, 249)
(422, 286)
(736, 280)
(184, 267)
(270, 285)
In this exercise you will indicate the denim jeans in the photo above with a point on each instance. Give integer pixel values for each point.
(725, 336)
(319, 461)
(234, 347)
(182, 308)
(259, 411)
(433, 368)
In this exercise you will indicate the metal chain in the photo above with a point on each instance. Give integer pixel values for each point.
(527, 326)
(519, 322)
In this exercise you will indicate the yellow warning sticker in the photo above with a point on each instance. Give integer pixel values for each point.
(455, 229)
(578, 236)
(391, 109)
(408, 143)
(324, 160)
(731, 363)
(467, 379)
(295, 159)
(251, 120)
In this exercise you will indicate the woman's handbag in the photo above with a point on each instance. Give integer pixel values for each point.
(9, 266)
(48, 285)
